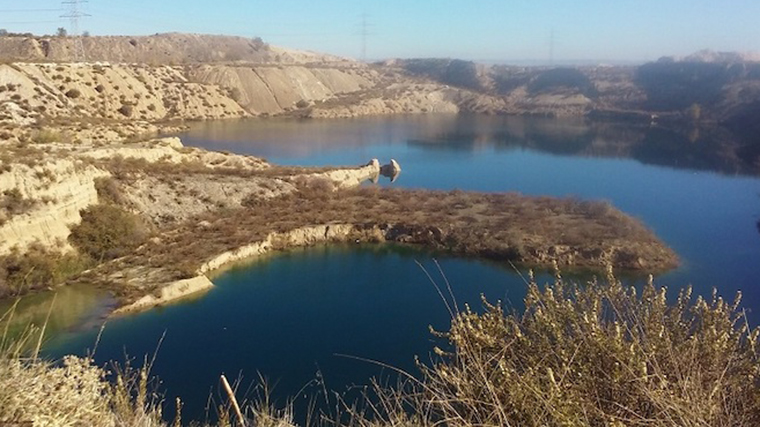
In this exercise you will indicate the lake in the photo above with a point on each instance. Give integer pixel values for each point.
(325, 309)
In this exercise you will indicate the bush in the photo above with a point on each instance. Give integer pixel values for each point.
(73, 93)
(47, 136)
(599, 354)
(37, 268)
(109, 191)
(107, 232)
(14, 203)
(126, 110)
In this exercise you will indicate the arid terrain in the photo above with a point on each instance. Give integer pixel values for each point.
(95, 190)
(71, 131)
(87, 182)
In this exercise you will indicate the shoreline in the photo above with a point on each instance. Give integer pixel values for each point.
(427, 237)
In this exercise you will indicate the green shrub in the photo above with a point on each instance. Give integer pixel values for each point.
(37, 268)
(107, 232)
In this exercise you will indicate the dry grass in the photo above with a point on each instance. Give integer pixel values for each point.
(37, 268)
(507, 227)
(69, 392)
(594, 354)
(599, 354)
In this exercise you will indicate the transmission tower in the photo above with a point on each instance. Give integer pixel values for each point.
(551, 48)
(73, 13)
(364, 33)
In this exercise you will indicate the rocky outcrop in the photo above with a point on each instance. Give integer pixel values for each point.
(392, 169)
(171, 292)
(350, 177)
(55, 191)
(41, 200)
(396, 98)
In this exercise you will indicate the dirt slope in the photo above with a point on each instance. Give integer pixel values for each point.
(158, 49)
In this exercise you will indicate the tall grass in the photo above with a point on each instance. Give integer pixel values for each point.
(593, 354)
(70, 392)
(597, 354)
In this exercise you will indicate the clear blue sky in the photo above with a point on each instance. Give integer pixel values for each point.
(476, 29)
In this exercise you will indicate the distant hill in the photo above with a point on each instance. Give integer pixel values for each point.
(158, 49)
(712, 56)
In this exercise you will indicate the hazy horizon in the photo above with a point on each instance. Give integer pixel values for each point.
(526, 32)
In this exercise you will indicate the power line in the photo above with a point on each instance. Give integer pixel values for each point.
(551, 48)
(27, 22)
(28, 10)
(364, 33)
(74, 14)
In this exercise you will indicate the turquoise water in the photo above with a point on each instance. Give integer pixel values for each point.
(294, 314)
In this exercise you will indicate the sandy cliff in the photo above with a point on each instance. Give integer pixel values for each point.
(56, 191)
(157, 49)
(272, 90)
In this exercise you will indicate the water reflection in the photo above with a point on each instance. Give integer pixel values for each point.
(292, 142)
(76, 307)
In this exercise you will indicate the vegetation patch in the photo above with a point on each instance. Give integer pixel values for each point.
(595, 354)
(506, 227)
(12, 203)
(558, 78)
(37, 268)
(592, 354)
(107, 232)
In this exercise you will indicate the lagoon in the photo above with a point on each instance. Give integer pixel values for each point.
(291, 315)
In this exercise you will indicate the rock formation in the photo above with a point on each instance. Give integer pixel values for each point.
(392, 170)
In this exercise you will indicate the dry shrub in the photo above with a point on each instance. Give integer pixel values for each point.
(73, 93)
(592, 355)
(109, 191)
(126, 110)
(70, 392)
(47, 136)
(37, 268)
(14, 203)
(107, 232)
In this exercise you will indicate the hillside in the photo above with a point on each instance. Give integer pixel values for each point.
(158, 49)
(192, 75)
(719, 85)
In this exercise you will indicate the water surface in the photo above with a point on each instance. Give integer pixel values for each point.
(291, 315)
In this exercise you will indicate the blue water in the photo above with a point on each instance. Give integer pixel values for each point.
(294, 314)
(298, 315)
(708, 216)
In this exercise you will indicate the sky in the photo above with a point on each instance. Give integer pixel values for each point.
(537, 31)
